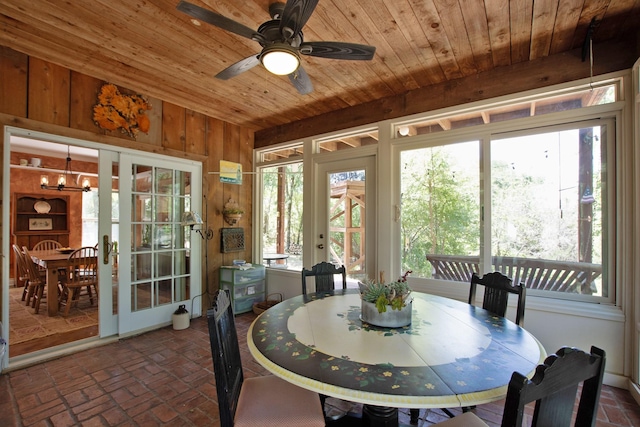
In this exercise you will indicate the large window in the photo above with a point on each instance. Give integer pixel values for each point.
(440, 205)
(545, 224)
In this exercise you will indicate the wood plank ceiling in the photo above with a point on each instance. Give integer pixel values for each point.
(152, 48)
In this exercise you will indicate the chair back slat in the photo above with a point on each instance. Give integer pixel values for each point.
(555, 387)
(32, 269)
(225, 351)
(47, 245)
(82, 266)
(20, 262)
(324, 273)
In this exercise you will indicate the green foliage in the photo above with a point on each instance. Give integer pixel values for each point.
(393, 294)
(440, 207)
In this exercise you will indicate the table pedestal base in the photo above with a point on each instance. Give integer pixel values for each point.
(372, 416)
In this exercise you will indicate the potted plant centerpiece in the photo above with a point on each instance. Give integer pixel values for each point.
(387, 305)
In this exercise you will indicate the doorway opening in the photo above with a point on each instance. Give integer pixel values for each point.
(68, 217)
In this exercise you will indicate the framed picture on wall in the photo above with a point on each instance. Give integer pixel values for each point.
(40, 224)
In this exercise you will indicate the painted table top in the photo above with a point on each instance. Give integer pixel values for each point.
(452, 354)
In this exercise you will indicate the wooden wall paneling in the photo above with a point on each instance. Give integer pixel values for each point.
(49, 92)
(195, 132)
(13, 82)
(231, 150)
(84, 95)
(154, 137)
(173, 125)
(246, 189)
(214, 194)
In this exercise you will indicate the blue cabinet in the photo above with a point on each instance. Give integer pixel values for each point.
(246, 285)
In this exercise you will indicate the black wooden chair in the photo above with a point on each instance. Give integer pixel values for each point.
(554, 389)
(258, 401)
(497, 288)
(324, 273)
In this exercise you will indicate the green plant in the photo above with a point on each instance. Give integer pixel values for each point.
(393, 294)
(232, 211)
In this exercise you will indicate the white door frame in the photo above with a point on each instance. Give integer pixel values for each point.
(323, 166)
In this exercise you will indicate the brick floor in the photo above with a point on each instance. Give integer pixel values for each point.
(165, 378)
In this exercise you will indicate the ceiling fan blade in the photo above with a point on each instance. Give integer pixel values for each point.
(217, 20)
(300, 79)
(296, 13)
(238, 68)
(338, 50)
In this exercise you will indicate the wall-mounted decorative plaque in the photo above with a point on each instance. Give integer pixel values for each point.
(231, 240)
(40, 224)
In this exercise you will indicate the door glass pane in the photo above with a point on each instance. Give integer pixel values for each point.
(347, 221)
(159, 242)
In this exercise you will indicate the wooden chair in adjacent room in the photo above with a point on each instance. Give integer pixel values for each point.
(259, 401)
(47, 246)
(324, 274)
(554, 388)
(23, 275)
(82, 275)
(37, 280)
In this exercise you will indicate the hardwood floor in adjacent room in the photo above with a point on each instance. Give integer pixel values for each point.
(30, 331)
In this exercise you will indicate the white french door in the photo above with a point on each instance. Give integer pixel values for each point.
(158, 267)
(346, 214)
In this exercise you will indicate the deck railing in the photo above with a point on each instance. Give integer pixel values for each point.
(559, 276)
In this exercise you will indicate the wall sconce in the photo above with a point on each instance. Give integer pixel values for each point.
(404, 130)
(191, 219)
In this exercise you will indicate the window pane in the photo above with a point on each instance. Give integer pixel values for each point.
(346, 142)
(440, 208)
(282, 214)
(547, 218)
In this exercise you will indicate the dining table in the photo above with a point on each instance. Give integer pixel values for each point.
(51, 261)
(453, 354)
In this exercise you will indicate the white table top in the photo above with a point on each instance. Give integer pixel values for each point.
(452, 354)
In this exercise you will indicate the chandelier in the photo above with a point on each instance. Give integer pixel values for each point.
(65, 178)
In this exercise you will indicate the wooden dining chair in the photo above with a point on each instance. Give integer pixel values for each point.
(82, 274)
(37, 281)
(554, 388)
(497, 288)
(324, 274)
(23, 274)
(47, 245)
(259, 401)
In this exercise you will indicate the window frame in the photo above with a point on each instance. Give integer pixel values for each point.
(611, 113)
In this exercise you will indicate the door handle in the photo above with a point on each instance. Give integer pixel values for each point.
(106, 249)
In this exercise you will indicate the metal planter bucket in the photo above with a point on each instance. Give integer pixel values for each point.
(390, 318)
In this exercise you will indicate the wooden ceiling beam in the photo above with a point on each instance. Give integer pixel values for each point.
(542, 72)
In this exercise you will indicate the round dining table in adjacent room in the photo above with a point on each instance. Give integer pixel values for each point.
(453, 354)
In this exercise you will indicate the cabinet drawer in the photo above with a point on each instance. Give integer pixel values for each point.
(237, 276)
(251, 289)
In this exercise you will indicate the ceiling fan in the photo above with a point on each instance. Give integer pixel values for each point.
(281, 40)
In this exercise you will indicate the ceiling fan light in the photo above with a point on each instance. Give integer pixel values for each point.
(281, 60)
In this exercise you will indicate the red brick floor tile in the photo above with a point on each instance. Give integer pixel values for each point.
(165, 378)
